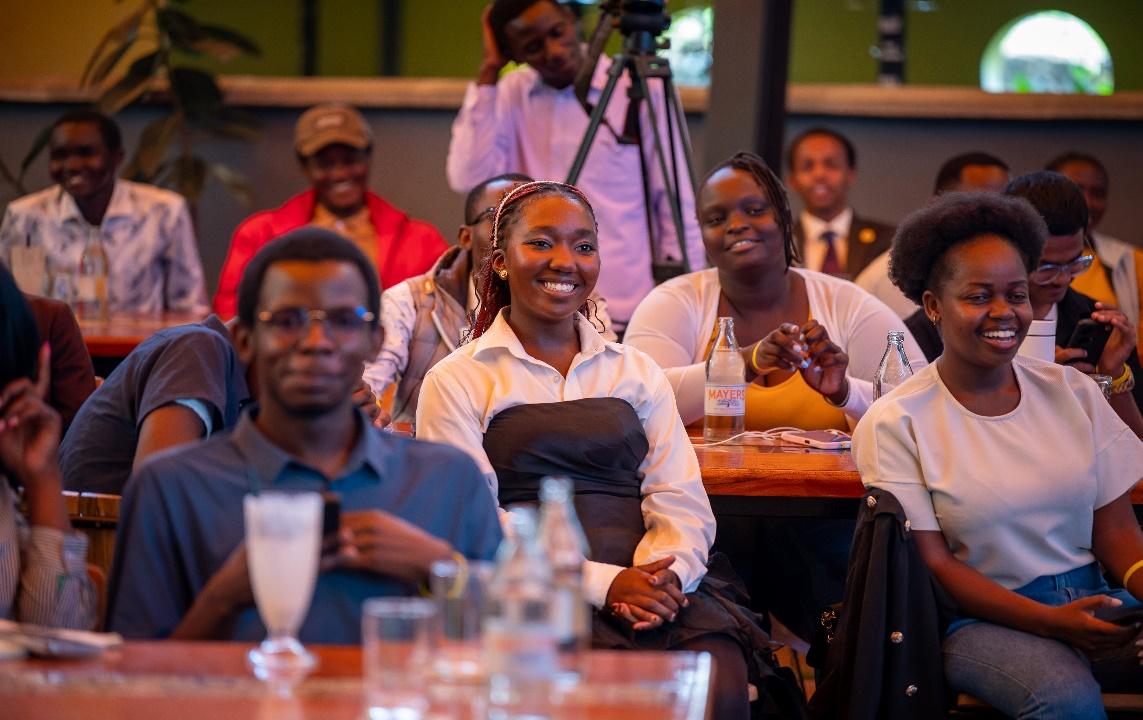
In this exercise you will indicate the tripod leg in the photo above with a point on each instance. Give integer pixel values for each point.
(669, 183)
(675, 109)
(597, 113)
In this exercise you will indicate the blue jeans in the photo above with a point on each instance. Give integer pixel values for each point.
(1027, 676)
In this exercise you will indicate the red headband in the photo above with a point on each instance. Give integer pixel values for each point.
(526, 189)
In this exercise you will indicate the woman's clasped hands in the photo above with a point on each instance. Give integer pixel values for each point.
(648, 595)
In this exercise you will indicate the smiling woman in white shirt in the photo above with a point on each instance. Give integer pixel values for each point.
(538, 392)
(1015, 474)
(811, 342)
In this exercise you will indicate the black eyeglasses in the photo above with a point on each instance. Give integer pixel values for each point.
(1047, 273)
(342, 322)
(488, 214)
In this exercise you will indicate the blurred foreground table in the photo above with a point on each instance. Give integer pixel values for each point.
(174, 680)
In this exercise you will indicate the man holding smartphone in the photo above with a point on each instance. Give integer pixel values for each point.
(1066, 255)
(307, 321)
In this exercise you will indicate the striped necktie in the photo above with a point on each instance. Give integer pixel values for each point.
(831, 263)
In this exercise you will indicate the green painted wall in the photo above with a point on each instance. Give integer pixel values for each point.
(441, 38)
(832, 38)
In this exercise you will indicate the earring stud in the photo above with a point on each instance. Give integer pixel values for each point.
(503, 274)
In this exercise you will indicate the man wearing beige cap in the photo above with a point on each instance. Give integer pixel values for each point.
(334, 146)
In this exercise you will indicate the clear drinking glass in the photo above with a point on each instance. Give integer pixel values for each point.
(283, 544)
(397, 650)
(459, 593)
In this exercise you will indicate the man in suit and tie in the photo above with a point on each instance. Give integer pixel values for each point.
(831, 237)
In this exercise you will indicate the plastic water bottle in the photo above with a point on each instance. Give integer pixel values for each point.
(91, 280)
(566, 548)
(725, 386)
(519, 638)
(894, 368)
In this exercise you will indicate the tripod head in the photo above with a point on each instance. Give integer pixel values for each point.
(640, 22)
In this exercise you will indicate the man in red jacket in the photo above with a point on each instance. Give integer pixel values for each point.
(334, 146)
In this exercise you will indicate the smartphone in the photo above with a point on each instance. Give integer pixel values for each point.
(1090, 336)
(822, 439)
(331, 514)
(1120, 615)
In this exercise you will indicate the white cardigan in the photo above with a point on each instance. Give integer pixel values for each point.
(673, 325)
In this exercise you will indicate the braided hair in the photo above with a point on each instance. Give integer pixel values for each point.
(757, 168)
(492, 292)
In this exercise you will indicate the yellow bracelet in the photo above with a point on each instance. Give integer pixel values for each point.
(754, 359)
(1131, 571)
(1123, 376)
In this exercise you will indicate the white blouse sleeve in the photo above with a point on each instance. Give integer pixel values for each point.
(676, 510)
(665, 327)
(885, 452)
(447, 414)
(1118, 451)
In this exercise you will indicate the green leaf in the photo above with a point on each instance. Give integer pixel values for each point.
(233, 123)
(125, 34)
(11, 179)
(38, 146)
(189, 175)
(133, 84)
(188, 35)
(181, 28)
(234, 181)
(225, 44)
(152, 148)
(196, 93)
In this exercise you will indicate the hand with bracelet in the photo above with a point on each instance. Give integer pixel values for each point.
(806, 349)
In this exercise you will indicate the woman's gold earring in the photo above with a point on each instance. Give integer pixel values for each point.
(503, 274)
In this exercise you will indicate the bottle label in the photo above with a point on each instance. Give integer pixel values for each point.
(726, 400)
(86, 288)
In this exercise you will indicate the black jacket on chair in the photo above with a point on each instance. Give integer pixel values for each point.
(884, 661)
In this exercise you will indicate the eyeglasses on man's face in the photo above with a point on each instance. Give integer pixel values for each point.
(487, 215)
(1047, 273)
(342, 322)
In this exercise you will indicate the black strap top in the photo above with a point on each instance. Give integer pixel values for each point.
(598, 443)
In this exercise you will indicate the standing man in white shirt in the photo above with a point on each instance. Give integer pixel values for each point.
(146, 231)
(831, 237)
(529, 121)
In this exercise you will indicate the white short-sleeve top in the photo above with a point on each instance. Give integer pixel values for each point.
(1013, 494)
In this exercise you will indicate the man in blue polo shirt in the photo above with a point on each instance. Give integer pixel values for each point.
(307, 321)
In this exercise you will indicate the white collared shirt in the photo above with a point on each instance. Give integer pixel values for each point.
(523, 125)
(146, 232)
(463, 392)
(814, 247)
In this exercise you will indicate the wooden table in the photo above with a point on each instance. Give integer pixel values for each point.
(780, 480)
(789, 480)
(174, 680)
(119, 335)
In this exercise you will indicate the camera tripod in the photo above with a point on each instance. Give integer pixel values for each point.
(639, 60)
